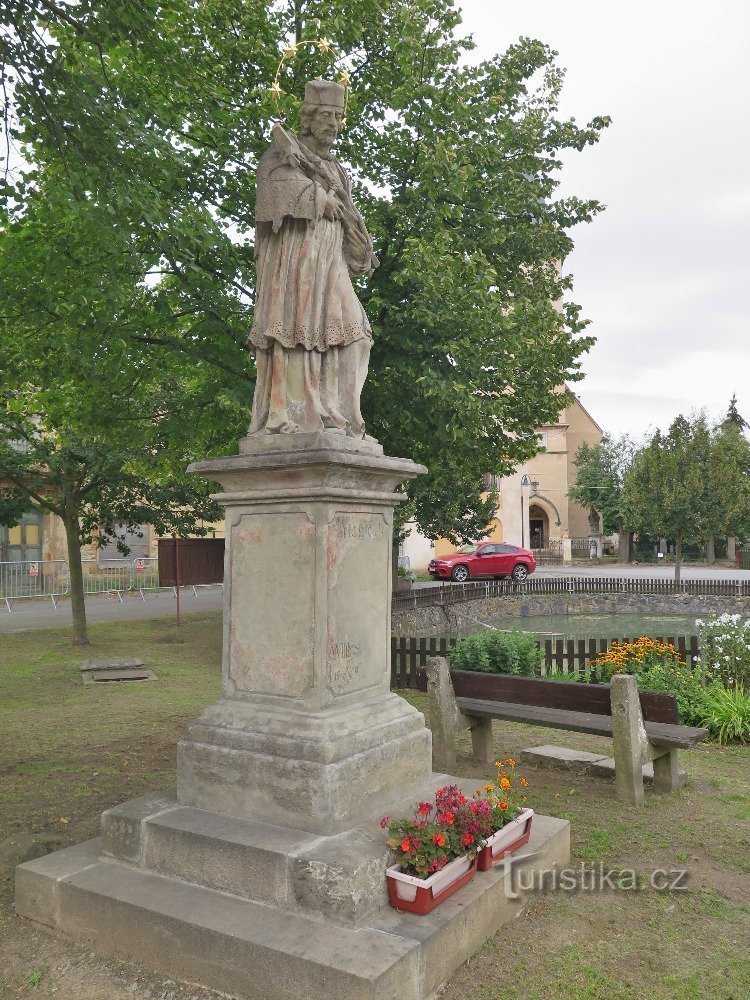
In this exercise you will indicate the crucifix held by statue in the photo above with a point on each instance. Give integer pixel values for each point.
(310, 334)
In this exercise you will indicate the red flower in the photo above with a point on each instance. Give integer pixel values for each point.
(384, 823)
(406, 845)
(438, 839)
(447, 818)
(467, 839)
(503, 805)
(425, 808)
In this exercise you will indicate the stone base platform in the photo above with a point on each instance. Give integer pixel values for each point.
(269, 913)
(563, 758)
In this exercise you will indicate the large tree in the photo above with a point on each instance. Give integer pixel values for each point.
(689, 484)
(97, 424)
(156, 113)
(600, 471)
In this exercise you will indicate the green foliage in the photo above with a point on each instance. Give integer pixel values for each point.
(690, 483)
(686, 684)
(471, 653)
(726, 714)
(145, 121)
(600, 471)
(734, 418)
(497, 653)
(725, 649)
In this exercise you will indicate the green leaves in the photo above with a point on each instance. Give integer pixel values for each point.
(691, 482)
(599, 479)
(132, 233)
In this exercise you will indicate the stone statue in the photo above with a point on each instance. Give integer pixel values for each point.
(310, 334)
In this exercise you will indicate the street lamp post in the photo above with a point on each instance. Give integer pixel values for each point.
(525, 481)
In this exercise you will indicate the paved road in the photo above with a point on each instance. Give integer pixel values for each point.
(637, 572)
(30, 614)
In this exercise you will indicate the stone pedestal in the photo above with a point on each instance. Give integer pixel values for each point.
(307, 733)
(265, 876)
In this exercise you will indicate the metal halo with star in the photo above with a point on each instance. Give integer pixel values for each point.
(324, 45)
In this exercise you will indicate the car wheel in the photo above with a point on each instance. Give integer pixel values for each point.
(520, 572)
(460, 574)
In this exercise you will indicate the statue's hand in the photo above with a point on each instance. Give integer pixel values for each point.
(331, 208)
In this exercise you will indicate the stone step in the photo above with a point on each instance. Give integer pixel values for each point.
(263, 952)
(338, 877)
(563, 758)
(605, 768)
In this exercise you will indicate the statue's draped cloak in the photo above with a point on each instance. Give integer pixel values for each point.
(310, 333)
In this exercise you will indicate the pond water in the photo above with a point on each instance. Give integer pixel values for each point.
(594, 626)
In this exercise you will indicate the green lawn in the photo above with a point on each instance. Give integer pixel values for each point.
(68, 751)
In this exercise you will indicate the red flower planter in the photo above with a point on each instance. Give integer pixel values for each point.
(506, 840)
(420, 895)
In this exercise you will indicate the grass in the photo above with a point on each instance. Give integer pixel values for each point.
(69, 751)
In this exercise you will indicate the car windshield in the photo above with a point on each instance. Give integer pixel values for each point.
(467, 550)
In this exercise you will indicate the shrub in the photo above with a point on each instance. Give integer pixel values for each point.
(727, 713)
(470, 654)
(498, 653)
(725, 649)
(688, 686)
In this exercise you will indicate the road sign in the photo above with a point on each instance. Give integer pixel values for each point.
(140, 565)
(33, 569)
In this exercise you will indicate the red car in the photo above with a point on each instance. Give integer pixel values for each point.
(488, 559)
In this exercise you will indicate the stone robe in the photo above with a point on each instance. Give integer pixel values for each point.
(310, 333)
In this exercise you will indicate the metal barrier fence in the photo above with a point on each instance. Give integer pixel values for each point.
(51, 578)
(41, 578)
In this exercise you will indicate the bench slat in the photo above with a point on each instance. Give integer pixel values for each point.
(659, 733)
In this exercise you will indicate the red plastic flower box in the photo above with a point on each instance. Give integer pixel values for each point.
(506, 840)
(420, 895)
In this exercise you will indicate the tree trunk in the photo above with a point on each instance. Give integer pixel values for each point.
(731, 549)
(711, 551)
(624, 545)
(77, 600)
(678, 562)
(298, 20)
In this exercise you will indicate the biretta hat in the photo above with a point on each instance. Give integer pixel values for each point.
(326, 92)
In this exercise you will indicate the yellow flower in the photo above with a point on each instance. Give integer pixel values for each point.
(325, 45)
(504, 783)
(510, 762)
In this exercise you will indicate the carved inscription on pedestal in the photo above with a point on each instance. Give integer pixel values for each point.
(273, 604)
(358, 553)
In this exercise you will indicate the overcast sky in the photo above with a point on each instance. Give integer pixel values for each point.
(664, 272)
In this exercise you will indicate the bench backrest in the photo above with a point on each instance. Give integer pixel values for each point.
(572, 696)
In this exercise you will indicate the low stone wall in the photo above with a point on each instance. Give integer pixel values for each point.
(427, 621)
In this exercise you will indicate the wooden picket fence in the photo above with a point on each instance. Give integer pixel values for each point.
(446, 594)
(409, 654)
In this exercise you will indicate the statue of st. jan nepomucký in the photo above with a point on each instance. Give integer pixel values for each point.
(310, 334)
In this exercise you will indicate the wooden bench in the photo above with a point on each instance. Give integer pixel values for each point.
(644, 725)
